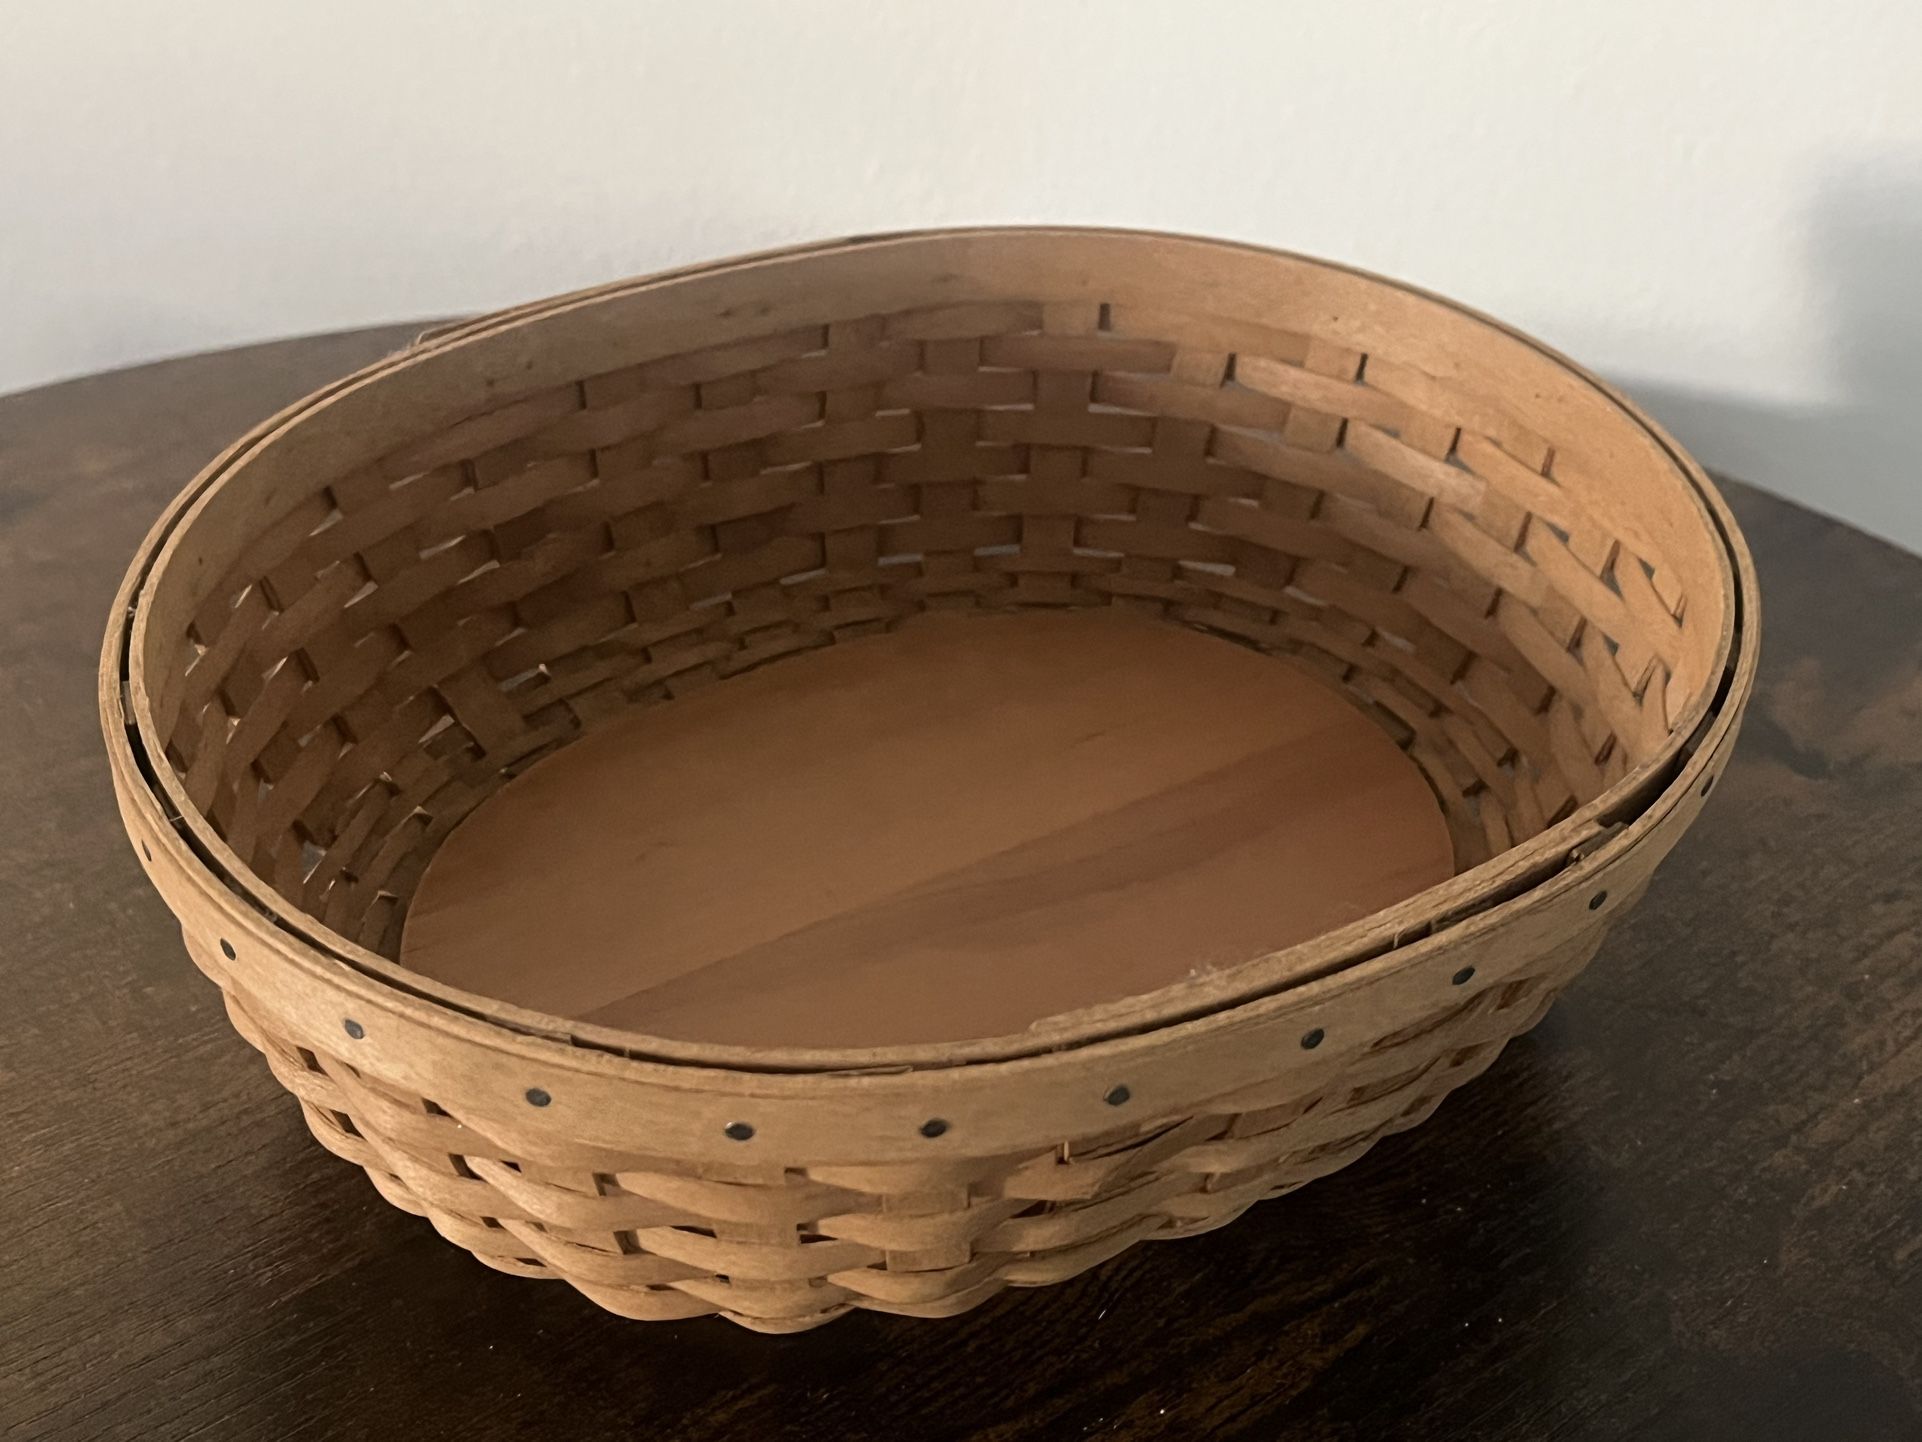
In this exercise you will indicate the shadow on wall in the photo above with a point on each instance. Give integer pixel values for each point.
(1860, 456)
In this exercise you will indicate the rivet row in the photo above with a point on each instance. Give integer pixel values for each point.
(1118, 1095)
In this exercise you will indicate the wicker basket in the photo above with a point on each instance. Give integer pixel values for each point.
(368, 614)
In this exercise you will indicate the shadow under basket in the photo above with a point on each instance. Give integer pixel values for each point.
(584, 517)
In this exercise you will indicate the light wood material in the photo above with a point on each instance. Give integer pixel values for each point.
(378, 608)
(1599, 1183)
(945, 832)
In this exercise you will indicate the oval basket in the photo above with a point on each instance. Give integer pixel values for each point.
(383, 603)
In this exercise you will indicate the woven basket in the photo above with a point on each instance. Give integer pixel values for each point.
(383, 603)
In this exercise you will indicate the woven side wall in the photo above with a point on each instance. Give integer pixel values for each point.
(783, 1249)
(418, 631)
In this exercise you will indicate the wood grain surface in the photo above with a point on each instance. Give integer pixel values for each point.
(1688, 1206)
(947, 831)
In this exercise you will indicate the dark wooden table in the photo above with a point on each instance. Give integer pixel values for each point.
(1688, 1206)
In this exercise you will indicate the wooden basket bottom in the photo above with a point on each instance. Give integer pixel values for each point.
(790, 1250)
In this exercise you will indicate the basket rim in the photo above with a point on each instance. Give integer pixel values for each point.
(1595, 833)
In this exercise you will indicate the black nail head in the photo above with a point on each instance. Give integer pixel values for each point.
(933, 1127)
(537, 1098)
(1311, 1040)
(1464, 976)
(1595, 901)
(737, 1131)
(1118, 1096)
(226, 948)
(353, 1028)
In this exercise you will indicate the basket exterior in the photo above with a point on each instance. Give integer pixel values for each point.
(840, 1202)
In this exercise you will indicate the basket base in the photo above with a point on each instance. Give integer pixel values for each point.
(944, 832)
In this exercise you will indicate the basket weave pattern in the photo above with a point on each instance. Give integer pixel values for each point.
(444, 617)
(788, 1249)
(1541, 618)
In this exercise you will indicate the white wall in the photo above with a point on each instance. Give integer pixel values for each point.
(1717, 204)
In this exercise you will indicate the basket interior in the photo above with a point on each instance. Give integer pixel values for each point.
(418, 588)
(950, 832)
